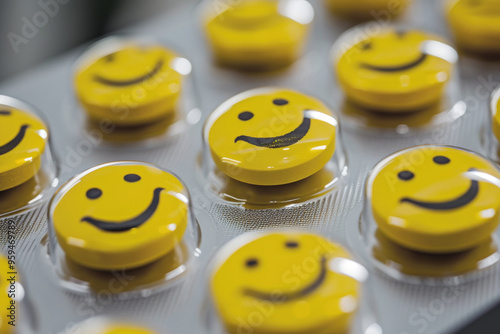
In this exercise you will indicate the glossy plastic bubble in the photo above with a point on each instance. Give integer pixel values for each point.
(28, 174)
(474, 25)
(490, 135)
(395, 79)
(103, 325)
(16, 310)
(132, 90)
(121, 219)
(284, 282)
(271, 147)
(431, 214)
(362, 10)
(256, 34)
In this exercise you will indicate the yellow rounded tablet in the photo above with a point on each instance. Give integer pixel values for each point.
(106, 326)
(23, 137)
(132, 84)
(475, 24)
(120, 215)
(271, 136)
(396, 71)
(6, 296)
(367, 9)
(435, 199)
(282, 283)
(258, 34)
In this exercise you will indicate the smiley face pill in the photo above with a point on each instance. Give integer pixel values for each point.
(475, 24)
(133, 84)
(258, 34)
(287, 276)
(120, 215)
(23, 138)
(395, 71)
(271, 136)
(435, 199)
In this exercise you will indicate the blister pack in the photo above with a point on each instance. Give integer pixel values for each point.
(257, 167)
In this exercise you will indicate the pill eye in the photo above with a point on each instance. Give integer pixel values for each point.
(245, 115)
(5, 112)
(366, 46)
(406, 175)
(131, 177)
(251, 263)
(94, 193)
(280, 102)
(110, 58)
(291, 244)
(401, 33)
(441, 160)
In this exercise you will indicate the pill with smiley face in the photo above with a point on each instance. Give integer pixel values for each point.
(129, 83)
(395, 70)
(258, 34)
(271, 136)
(435, 199)
(23, 137)
(475, 25)
(107, 326)
(287, 280)
(367, 9)
(120, 215)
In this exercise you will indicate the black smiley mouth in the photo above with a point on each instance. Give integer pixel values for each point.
(456, 203)
(15, 141)
(122, 226)
(287, 297)
(280, 141)
(404, 67)
(134, 81)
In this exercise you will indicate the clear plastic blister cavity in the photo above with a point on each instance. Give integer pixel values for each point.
(286, 282)
(28, 172)
(125, 228)
(395, 79)
(271, 147)
(131, 90)
(431, 215)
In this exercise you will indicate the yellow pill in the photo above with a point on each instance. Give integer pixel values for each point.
(258, 34)
(282, 283)
(367, 9)
(23, 137)
(106, 326)
(271, 136)
(495, 113)
(120, 215)
(475, 24)
(421, 264)
(8, 305)
(396, 71)
(135, 84)
(435, 199)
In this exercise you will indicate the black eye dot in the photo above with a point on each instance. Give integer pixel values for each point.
(5, 112)
(441, 160)
(252, 263)
(280, 102)
(291, 244)
(94, 193)
(245, 116)
(401, 33)
(131, 177)
(366, 46)
(405, 175)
